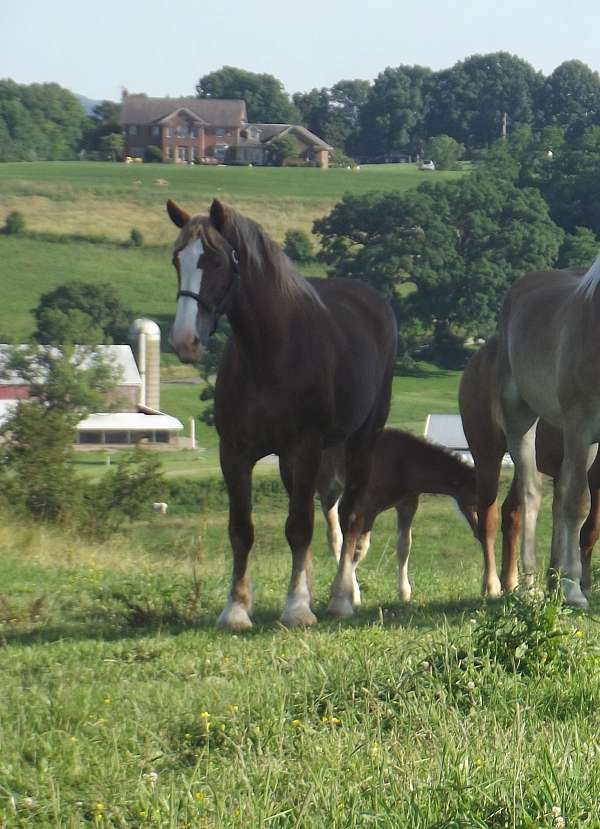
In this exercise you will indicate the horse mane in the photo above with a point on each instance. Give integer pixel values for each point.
(262, 260)
(590, 280)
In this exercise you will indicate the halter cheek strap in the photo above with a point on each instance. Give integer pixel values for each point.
(218, 309)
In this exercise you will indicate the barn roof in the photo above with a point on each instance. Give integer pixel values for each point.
(129, 422)
(139, 109)
(120, 357)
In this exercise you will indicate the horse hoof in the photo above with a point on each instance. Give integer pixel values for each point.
(574, 597)
(340, 608)
(492, 590)
(234, 617)
(298, 616)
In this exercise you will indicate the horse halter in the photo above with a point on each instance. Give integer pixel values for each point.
(217, 310)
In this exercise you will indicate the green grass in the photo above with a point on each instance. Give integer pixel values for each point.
(113, 672)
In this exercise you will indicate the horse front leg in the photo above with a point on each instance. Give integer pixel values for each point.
(405, 513)
(352, 512)
(299, 475)
(575, 499)
(237, 473)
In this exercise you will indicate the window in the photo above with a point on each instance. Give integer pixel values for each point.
(90, 437)
(117, 437)
(220, 132)
(194, 132)
(132, 130)
(169, 132)
(155, 130)
(181, 132)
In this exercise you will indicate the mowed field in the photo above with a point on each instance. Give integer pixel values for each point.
(123, 706)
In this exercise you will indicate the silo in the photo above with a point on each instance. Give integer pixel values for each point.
(145, 337)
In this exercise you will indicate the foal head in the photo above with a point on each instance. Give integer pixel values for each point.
(207, 275)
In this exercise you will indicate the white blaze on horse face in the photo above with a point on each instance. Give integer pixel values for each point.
(184, 336)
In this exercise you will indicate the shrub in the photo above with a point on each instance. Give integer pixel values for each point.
(136, 239)
(297, 246)
(153, 155)
(15, 223)
(338, 158)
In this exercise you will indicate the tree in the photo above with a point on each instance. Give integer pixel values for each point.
(281, 148)
(266, 99)
(444, 151)
(579, 249)
(570, 97)
(444, 254)
(111, 145)
(468, 101)
(333, 114)
(37, 440)
(392, 118)
(103, 122)
(104, 318)
(39, 122)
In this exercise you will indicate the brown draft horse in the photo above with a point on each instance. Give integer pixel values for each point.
(479, 408)
(403, 467)
(309, 365)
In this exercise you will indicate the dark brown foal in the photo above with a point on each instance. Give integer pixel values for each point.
(403, 467)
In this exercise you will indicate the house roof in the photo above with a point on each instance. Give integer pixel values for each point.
(129, 422)
(270, 131)
(140, 110)
(120, 357)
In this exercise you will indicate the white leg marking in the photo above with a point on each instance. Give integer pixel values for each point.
(297, 610)
(234, 617)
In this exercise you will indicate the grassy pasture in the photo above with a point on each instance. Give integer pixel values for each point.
(110, 199)
(123, 706)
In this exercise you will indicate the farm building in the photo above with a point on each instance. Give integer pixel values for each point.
(136, 393)
(207, 130)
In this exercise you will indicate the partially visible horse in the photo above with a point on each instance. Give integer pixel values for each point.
(403, 467)
(480, 412)
(309, 365)
(548, 366)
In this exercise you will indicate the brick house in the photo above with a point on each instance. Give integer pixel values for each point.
(193, 129)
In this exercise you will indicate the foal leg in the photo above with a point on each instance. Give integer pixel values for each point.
(511, 527)
(352, 510)
(299, 474)
(237, 473)
(587, 539)
(334, 531)
(487, 470)
(360, 553)
(405, 512)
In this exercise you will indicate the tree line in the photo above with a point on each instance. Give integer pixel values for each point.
(395, 114)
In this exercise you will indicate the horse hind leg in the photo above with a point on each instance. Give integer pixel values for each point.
(587, 540)
(352, 512)
(238, 480)
(299, 475)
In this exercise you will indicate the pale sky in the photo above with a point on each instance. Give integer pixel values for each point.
(162, 47)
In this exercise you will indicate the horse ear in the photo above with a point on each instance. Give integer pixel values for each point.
(178, 216)
(218, 214)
